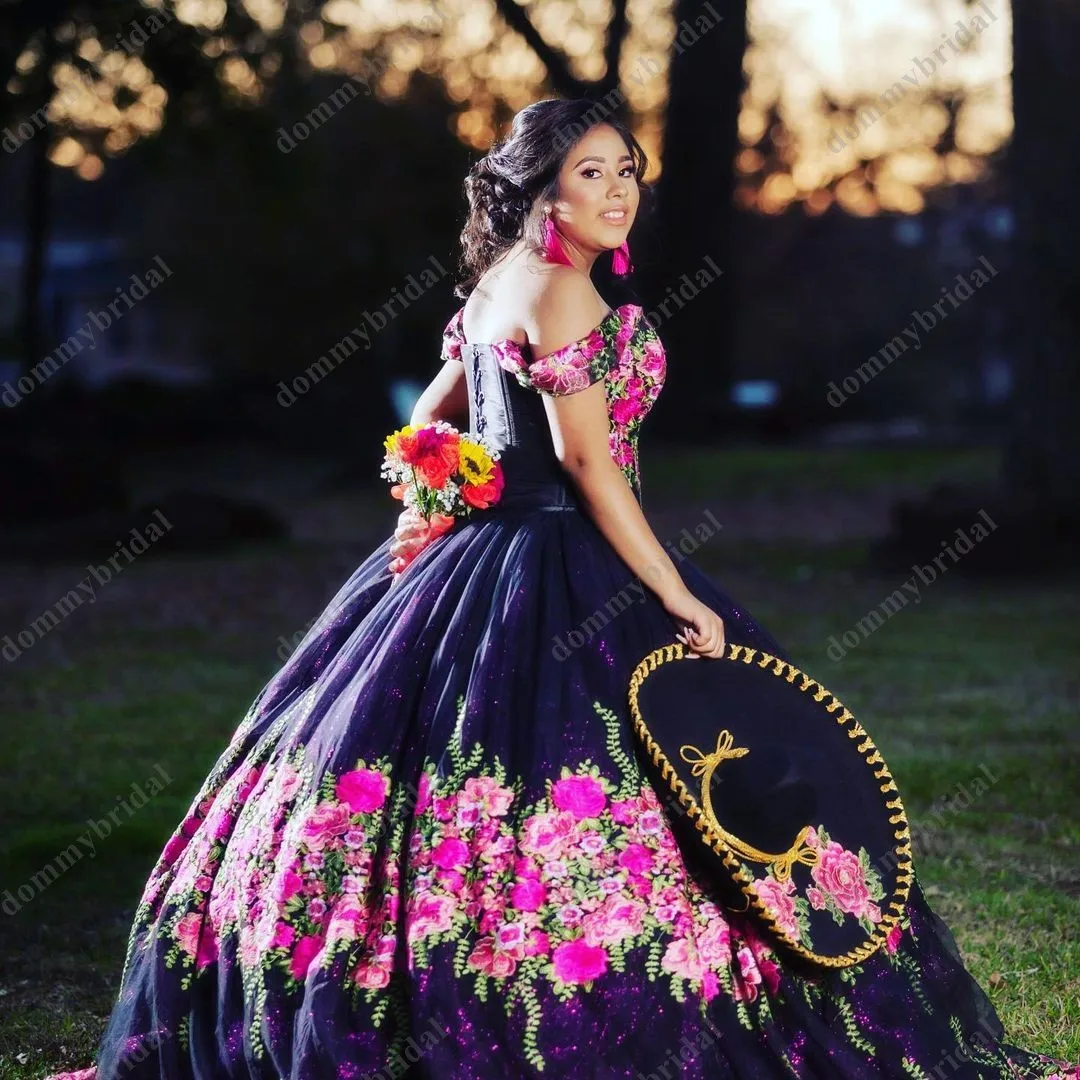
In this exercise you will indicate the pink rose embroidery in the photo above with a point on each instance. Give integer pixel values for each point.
(545, 834)
(840, 874)
(323, 824)
(187, 932)
(636, 858)
(371, 976)
(307, 949)
(423, 793)
(615, 920)
(429, 915)
(681, 958)
(892, 942)
(528, 895)
(208, 948)
(780, 902)
(286, 886)
(486, 793)
(581, 796)
(450, 853)
(284, 936)
(579, 962)
(364, 790)
(491, 961)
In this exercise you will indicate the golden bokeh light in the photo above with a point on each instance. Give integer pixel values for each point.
(118, 140)
(28, 59)
(801, 53)
(208, 14)
(269, 14)
(67, 153)
(90, 168)
(323, 56)
(777, 193)
(750, 161)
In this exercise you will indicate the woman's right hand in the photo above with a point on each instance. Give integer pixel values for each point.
(702, 629)
(410, 537)
(413, 533)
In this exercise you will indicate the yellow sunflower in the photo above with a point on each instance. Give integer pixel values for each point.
(474, 463)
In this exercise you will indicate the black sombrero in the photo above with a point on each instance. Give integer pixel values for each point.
(793, 808)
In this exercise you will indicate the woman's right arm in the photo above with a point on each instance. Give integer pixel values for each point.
(579, 423)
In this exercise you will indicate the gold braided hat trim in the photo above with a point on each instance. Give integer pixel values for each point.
(730, 848)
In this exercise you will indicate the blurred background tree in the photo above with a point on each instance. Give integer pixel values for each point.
(295, 161)
(1043, 454)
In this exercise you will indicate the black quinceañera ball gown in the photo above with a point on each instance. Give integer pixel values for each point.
(430, 848)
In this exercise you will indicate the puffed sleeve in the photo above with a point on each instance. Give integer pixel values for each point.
(452, 338)
(580, 363)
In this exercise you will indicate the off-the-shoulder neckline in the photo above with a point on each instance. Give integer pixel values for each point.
(521, 345)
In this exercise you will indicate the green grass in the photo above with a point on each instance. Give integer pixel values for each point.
(162, 669)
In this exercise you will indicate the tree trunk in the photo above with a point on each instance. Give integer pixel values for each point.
(696, 213)
(38, 210)
(1042, 456)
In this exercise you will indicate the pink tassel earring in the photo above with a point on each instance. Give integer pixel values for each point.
(553, 249)
(620, 260)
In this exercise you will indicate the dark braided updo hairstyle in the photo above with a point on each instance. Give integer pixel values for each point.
(508, 186)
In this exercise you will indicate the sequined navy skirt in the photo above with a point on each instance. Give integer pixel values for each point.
(430, 845)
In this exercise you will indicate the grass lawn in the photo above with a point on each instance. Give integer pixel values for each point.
(155, 676)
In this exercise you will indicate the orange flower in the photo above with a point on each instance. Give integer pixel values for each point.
(433, 454)
(481, 496)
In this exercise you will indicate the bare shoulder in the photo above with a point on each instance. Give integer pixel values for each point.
(564, 309)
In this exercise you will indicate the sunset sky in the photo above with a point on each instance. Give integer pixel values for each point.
(851, 50)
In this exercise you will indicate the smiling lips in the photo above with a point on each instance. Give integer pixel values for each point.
(615, 217)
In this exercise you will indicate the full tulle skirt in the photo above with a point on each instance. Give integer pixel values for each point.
(431, 845)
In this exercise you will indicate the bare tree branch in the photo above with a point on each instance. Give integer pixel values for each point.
(562, 80)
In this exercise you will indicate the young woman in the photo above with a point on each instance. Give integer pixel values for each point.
(429, 844)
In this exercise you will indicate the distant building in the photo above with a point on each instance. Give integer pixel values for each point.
(102, 319)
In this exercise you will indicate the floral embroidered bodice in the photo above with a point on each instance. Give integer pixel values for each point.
(623, 350)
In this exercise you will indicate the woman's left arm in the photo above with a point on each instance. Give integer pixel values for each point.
(445, 398)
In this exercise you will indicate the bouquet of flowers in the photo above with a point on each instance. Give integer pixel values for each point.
(439, 474)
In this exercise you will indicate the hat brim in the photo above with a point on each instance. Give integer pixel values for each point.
(794, 809)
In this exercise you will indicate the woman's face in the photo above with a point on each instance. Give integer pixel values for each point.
(598, 191)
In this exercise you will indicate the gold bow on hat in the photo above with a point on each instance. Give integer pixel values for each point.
(704, 765)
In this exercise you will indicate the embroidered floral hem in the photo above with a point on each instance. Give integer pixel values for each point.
(431, 845)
